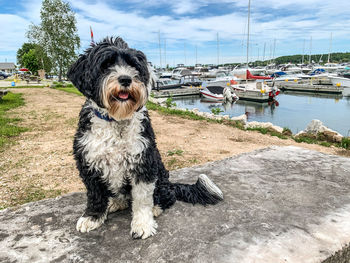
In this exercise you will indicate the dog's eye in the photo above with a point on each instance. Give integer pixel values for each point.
(137, 77)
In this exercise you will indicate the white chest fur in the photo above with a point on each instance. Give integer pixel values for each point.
(114, 148)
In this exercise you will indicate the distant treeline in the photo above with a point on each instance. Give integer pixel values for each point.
(297, 59)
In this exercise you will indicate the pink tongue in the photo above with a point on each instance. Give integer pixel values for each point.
(123, 95)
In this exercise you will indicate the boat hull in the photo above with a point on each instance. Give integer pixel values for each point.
(211, 96)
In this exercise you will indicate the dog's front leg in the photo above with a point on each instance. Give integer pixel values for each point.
(97, 203)
(143, 224)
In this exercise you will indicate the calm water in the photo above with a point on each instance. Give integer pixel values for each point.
(293, 110)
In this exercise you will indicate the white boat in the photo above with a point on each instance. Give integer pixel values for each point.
(180, 72)
(255, 91)
(241, 71)
(224, 79)
(213, 93)
(199, 71)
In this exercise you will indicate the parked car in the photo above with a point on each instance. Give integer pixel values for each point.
(3, 75)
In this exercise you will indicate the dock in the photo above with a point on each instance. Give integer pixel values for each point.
(309, 86)
(180, 92)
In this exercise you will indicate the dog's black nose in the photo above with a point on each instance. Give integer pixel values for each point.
(124, 80)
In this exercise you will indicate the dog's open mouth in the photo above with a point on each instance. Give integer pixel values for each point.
(122, 96)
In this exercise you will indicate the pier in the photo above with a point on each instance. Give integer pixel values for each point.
(315, 86)
(180, 92)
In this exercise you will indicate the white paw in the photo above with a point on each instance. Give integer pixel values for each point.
(117, 204)
(157, 210)
(88, 223)
(143, 229)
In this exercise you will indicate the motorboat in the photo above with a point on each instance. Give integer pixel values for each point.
(180, 72)
(223, 79)
(255, 91)
(213, 93)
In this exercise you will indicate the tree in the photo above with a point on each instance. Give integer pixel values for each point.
(30, 61)
(57, 34)
(23, 50)
(37, 57)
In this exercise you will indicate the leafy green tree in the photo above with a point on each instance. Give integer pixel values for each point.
(38, 54)
(23, 50)
(30, 61)
(57, 34)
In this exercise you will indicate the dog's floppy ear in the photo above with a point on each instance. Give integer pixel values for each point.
(78, 74)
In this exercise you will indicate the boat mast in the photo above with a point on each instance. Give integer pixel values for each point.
(330, 48)
(196, 55)
(264, 51)
(248, 39)
(160, 50)
(274, 50)
(165, 65)
(310, 50)
(185, 52)
(218, 47)
(302, 58)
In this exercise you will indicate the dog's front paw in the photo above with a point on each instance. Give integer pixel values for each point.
(88, 223)
(143, 228)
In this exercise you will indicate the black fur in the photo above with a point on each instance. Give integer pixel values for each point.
(87, 74)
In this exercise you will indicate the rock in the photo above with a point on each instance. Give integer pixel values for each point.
(267, 125)
(158, 101)
(281, 204)
(320, 132)
(242, 118)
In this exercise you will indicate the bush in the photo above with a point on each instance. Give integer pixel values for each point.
(170, 102)
(345, 143)
(216, 111)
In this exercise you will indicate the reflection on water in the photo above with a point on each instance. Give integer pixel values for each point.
(292, 110)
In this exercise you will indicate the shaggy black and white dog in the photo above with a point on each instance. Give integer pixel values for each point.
(114, 146)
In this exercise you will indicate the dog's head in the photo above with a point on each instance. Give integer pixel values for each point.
(114, 76)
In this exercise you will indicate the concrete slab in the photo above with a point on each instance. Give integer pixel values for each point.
(282, 204)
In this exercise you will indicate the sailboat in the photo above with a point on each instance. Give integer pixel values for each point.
(256, 90)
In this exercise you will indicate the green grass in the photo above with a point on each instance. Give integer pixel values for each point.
(345, 143)
(21, 87)
(70, 90)
(8, 129)
(175, 151)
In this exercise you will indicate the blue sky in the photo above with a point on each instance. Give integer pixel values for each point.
(185, 25)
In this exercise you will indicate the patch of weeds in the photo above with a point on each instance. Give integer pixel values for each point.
(171, 163)
(345, 143)
(170, 102)
(326, 144)
(286, 131)
(7, 127)
(70, 90)
(51, 115)
(175, 151)
(29, 194)
(194, 160)
(216, 111)
(72, 122)
(259, 129)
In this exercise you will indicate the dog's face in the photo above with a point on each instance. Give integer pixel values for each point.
(114, 76)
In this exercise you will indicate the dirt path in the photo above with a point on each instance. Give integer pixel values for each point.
(41, 165)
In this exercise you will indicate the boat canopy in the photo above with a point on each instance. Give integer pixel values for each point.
(278, 73)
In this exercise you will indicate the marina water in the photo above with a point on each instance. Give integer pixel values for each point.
(292, 110)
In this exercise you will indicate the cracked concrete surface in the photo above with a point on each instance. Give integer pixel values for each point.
(282, 204)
